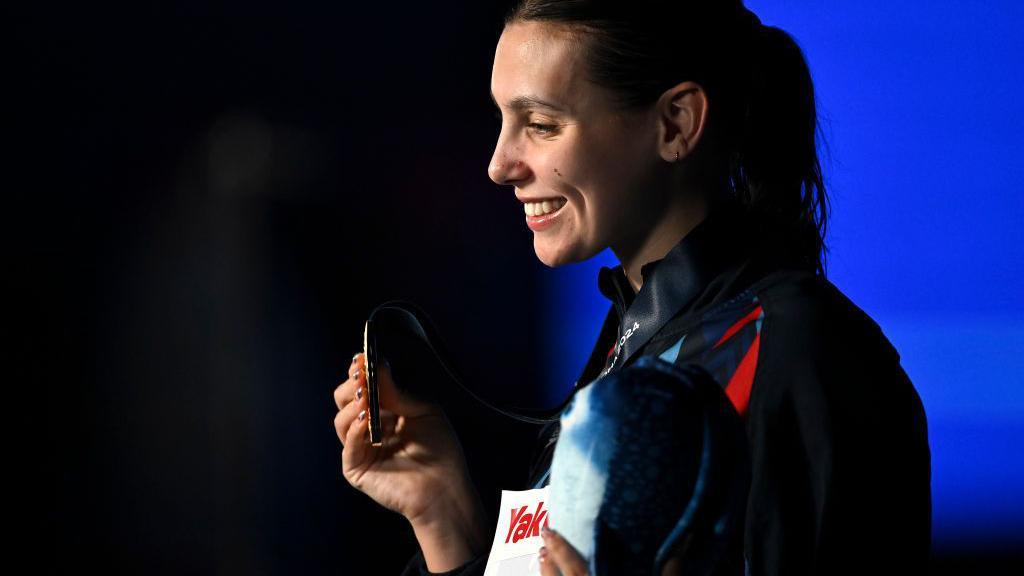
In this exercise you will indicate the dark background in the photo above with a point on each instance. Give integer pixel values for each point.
(219, 194)
(209, 199)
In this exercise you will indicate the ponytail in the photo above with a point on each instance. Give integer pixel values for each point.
(775, 171)
(763, 124)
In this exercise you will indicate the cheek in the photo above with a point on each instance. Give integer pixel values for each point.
(565, 166)
(573, 168)
(625, 166)
(597, 174)
(604, 182)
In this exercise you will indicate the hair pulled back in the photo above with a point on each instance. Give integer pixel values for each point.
(762, 127)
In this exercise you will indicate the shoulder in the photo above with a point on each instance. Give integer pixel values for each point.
(838, 432)
(810, 312)
(815, 340)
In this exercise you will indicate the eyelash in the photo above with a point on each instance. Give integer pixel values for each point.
(543, 129)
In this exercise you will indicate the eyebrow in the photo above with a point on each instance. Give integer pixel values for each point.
(527, 102)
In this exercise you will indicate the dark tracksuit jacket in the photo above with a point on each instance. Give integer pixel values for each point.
(840, 463)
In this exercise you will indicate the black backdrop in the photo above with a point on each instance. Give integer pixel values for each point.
(208, 199)
(212, 198)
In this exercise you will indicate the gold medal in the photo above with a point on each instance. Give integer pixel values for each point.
(372, 390)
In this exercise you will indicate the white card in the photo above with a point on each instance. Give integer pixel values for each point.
(517, 535)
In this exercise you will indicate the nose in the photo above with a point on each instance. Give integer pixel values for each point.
(505, 167)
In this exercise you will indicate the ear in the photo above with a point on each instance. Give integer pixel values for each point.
(682, 112)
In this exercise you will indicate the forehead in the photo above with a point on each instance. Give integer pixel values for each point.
(537, 60)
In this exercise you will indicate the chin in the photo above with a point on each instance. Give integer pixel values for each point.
(551, 262)
(555, 256)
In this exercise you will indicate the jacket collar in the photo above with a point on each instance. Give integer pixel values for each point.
(673, 283)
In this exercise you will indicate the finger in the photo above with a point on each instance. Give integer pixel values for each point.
(344, 418)
(353, 388)
(346, 392)
(547, 566)
(357, 442)
(562, 555)
(357, 448)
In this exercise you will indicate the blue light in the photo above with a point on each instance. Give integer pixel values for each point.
(921, 107)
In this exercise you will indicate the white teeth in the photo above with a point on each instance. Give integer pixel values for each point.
(541, 208)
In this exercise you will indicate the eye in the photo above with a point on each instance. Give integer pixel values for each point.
(541, 128)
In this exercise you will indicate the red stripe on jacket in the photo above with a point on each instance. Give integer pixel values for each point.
(738, 389)
(739, 325)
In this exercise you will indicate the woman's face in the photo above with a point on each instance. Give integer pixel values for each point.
(567, 151)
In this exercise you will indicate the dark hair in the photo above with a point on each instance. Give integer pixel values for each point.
(762, 125)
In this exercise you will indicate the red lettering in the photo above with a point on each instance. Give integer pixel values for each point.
(539, 516)
(525, 525)
(523, 530)
(515, 518)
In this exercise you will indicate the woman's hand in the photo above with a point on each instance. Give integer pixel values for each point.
(559, 557)
(419, 471)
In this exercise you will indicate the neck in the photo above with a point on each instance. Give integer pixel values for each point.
(675, 222)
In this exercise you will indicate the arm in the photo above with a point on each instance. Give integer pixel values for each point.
(453, 542)
(419, 471)
(840, 459)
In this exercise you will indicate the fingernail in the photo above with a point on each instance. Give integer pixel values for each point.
(354, 356)
(542, 555)
(355, 375)
(359, 393)
(362, 415)
(545, 531)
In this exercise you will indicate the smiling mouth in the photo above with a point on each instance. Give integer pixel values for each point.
(543, 215)
(543, 208)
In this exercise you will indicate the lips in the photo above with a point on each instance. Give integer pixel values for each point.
(544, 214)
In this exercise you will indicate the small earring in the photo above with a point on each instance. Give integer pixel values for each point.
(677, 155)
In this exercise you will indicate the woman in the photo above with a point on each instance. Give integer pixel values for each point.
(682, 136)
